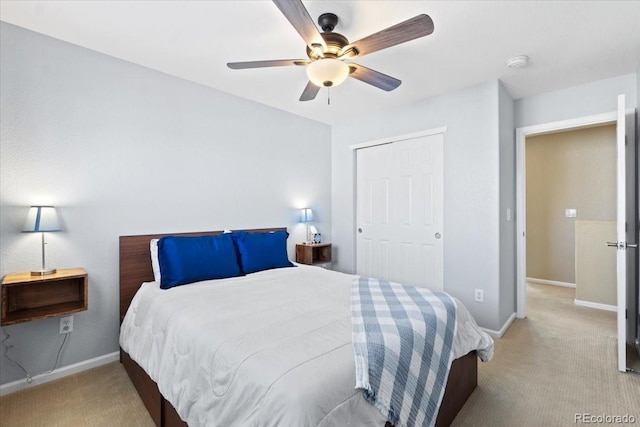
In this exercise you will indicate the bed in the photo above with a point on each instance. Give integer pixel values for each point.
(137, 283)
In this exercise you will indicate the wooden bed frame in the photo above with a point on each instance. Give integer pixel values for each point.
(135, 269)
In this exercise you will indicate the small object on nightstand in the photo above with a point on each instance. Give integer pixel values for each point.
(306, 216)
(313, 254)
(26, 297)
(315, 235)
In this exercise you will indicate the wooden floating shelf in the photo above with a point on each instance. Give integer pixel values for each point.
(316, 253)
(26, 298)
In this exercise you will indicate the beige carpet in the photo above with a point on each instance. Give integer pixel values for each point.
(103, 396)
(559, 361)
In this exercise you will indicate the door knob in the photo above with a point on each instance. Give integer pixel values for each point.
(438, 235)
(359, 230)
(623, 245)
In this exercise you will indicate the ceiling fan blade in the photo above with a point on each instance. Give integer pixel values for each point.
(374, 78)
(299, 17)
(416, 27)
(261, 64)
(309, 92)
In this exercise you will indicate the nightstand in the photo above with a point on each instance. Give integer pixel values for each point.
(26, 297)
(313, 254)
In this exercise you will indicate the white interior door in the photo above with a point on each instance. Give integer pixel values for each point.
(621, 236)
(633, 287)
(400, 198)
(627, 232)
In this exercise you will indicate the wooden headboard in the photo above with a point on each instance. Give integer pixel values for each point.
(135, 261)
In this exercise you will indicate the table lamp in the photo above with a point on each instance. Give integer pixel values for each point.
(41, 219)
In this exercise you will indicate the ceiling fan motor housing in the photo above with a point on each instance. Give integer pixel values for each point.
(328, 21)
(335, 41)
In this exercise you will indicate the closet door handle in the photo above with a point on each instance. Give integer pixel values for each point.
(632, 245)
(612, 244)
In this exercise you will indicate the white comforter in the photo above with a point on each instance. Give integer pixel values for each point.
(269, 348)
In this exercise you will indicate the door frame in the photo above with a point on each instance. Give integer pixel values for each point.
(521, 190)
(387, 140)
(390, 139)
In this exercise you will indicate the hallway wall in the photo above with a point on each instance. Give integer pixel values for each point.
(566, 170)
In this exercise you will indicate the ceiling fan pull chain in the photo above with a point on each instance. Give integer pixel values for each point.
(328, 96)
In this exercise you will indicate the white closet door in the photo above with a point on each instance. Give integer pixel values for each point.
(400, 211)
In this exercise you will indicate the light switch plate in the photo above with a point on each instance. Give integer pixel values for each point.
(570, 213)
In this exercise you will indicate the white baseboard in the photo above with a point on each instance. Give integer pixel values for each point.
(85, 365)
(551, 282)
(500, 333)
(597, 305)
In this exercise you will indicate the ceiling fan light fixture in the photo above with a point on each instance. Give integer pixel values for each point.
(327, 72)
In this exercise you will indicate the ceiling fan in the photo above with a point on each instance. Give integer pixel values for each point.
(327, 51)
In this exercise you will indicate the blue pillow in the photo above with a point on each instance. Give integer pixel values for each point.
(191, 259)
(262, 251)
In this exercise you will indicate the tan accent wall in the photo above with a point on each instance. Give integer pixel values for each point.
(596, 262)
(566, 170)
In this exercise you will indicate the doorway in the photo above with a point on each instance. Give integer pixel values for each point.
(626, 221)
(571, 212)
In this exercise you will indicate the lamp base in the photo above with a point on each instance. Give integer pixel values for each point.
(45, 272)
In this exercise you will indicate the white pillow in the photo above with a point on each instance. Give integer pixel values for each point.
(155, 264)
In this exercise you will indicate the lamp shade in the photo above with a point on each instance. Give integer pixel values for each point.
(306, 215)
(41, 218)
(327, 72)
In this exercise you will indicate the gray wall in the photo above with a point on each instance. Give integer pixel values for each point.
(578, 101)
(507, 201)
(121, 149)
(471, 188)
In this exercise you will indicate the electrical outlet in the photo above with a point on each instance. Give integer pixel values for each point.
(66, 325)
(479, 295)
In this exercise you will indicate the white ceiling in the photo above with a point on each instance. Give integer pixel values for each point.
(568, 42)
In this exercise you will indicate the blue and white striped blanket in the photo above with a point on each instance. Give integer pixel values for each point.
(403, 340)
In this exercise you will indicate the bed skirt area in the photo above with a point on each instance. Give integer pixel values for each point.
(463, 379)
